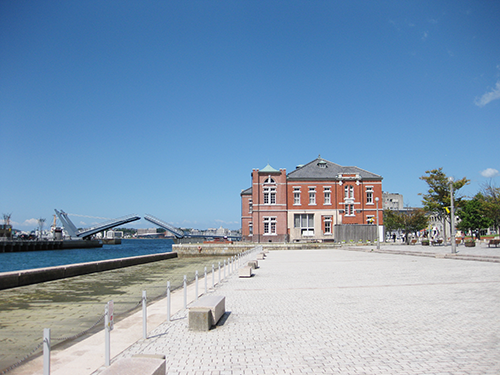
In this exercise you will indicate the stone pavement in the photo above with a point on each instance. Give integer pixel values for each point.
(345, 312)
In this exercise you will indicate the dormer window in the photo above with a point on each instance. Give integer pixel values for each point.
(322, 164)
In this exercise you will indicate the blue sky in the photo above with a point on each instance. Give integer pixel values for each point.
(165, 107)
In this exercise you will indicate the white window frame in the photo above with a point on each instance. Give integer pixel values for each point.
(305, 222)
(270, 226)
(312, 196)
(269, 195)
(349, 209)
(328, 224)
(369, 195)
(296, 196)
(327, 195)
(349, 192)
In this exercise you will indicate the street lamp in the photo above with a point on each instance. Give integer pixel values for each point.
(452, 219)
(378, 236)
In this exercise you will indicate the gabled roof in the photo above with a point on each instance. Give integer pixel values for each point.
(321, 169)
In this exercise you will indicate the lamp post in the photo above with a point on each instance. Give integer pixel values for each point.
(378, 233)
(452, 219)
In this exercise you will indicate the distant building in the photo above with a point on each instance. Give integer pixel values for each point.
(392, 201)
(306, 204)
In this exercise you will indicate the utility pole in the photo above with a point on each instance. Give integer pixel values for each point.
(378, 232)
(452, 219)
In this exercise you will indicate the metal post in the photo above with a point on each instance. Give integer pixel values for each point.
(144, 316)
(168, 301)
(185, 292)
(206, 287)
(213, 277)
(219, 272)
(378, 232)
(224, 268)
(196, 283)
(107, 331)
(452, 219)
(46, 351)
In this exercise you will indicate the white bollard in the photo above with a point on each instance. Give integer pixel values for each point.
(213, 277)
(206, 287)
(185, 292)
(46, 351)
(107, 331)
(224, 268)
(168, 301)
(196, 283)
(219, 272)
(144, 316)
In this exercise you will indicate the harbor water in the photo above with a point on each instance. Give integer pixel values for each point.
(50, 258)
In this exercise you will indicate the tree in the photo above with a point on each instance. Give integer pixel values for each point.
(391, 220)
(490, 198)
(437, 201)
(472, 216)
(410, 221)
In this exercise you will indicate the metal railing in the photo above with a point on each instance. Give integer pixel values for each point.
(229, 265)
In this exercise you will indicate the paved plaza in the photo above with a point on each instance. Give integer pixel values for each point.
(401, 310)
(344, 312)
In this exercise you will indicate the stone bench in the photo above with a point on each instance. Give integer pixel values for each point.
(206, 312)
(144, 364)
(494, 242)
(261, 256)
(245, 272)
(254, 264)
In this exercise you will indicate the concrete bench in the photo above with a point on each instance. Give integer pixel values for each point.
(261, 256)
(254, 264)
(144, 364)
(494, 242)
(206, 312)
(245, 272)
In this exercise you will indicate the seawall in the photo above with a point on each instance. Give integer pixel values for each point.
(14, 246)
(239, 247)
(34, 276)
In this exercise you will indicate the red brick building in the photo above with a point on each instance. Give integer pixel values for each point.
(309, 202)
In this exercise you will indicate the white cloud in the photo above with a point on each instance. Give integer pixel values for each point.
(489, 173)
(30, 223)
(489, 96)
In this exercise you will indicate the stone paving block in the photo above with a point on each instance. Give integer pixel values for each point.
(346, 312)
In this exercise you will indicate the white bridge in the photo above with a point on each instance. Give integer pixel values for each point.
(88, 232)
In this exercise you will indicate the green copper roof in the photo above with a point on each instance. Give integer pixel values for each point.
(268, 168)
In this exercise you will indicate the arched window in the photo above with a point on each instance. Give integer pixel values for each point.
(269, 180)
(269, 191)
